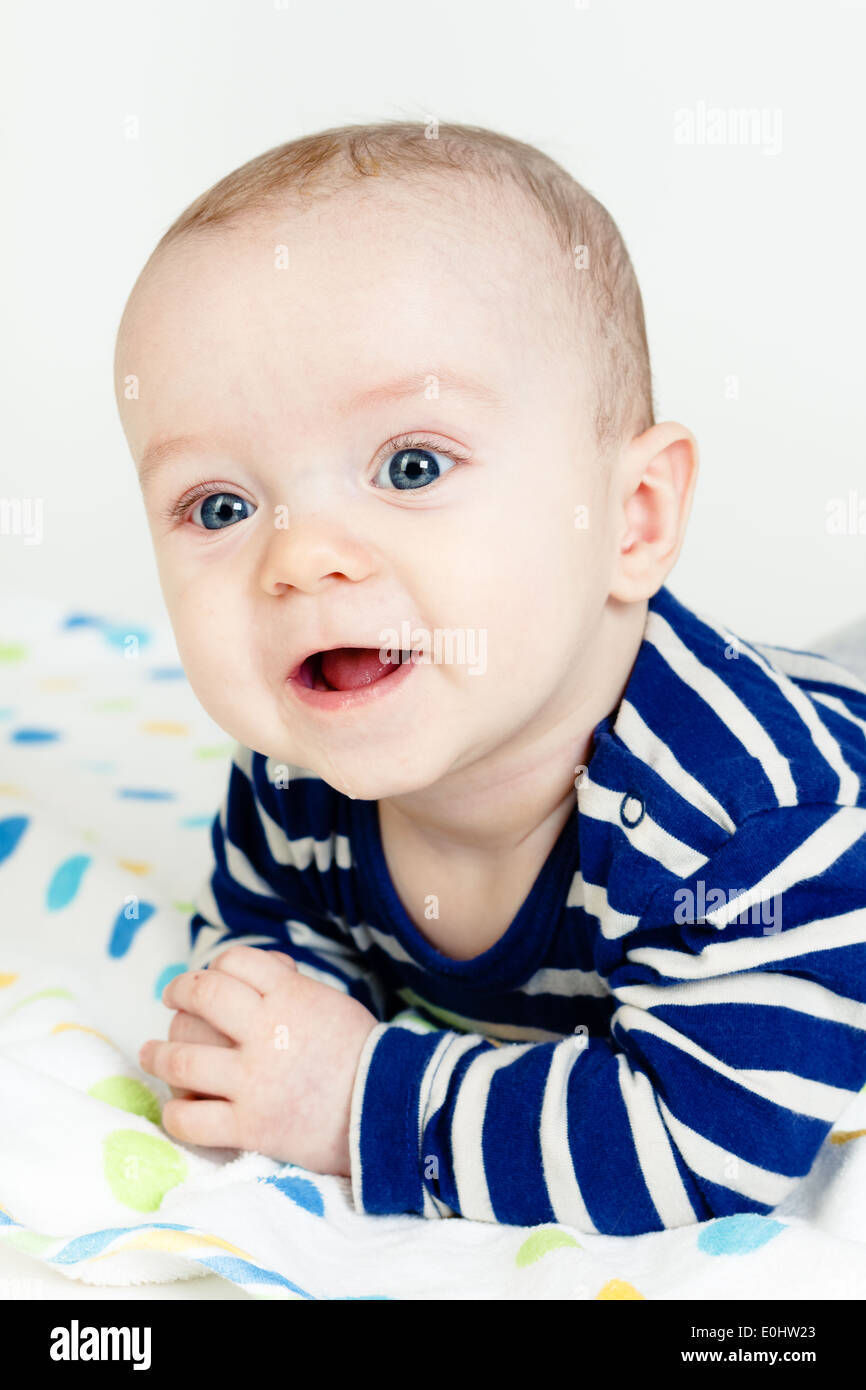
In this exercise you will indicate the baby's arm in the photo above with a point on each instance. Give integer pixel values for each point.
(251, 897)
(729, 1060)
(255, 894)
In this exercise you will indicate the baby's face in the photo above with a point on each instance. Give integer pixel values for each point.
(295, 378)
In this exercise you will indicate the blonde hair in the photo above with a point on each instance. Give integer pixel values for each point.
(608, 298)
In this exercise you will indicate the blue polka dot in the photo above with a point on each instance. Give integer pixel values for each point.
(99, 766)
(118, 636)
(167, 673)
(34, 735)
(738, 1235)
(196, 822)
(144, 794)
(66, 881)
(301, 1191)
(7, 712)
(11, 831)
(165, 975)
(81, 620)
(124, 929)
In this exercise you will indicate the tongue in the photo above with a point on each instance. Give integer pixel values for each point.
(346, 668)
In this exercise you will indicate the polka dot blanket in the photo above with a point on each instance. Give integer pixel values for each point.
(110, 776)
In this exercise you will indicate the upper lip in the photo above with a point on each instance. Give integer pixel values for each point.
(331, 647)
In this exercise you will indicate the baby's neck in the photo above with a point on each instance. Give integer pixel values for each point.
(476, 901)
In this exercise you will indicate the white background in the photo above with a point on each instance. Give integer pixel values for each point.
(750, 256)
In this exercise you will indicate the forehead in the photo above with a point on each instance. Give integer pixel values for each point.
(304, 306)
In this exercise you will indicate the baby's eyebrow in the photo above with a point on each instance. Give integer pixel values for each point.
(156, 454)
(416, 384)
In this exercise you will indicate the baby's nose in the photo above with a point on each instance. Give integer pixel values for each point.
(310, 552)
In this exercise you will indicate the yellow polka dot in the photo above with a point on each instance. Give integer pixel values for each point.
(58, 683)
(7, 980)
(81, 1028)
(10, 789)
(163, 726)
(618, 1289)
(841, 1136)
(135, 866)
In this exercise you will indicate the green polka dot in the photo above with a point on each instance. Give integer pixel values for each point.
(214, 750)
(412, 1017)
(541, 1243)
(31, 1242)
(42, 994)
(183, 906)
(141, 1168)
(115, 704)
(127, 1093)
(12, 651)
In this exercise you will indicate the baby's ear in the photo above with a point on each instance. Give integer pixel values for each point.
(657, 482)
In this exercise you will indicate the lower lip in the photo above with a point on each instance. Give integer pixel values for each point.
(336, 701)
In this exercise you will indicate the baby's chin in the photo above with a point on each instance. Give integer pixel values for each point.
(368, 776)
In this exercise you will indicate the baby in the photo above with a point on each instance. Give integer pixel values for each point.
(536, 896)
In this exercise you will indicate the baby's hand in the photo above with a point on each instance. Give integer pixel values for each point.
(283, 1084)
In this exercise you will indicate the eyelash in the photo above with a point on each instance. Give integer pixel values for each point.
(416, 441)
(178, 511)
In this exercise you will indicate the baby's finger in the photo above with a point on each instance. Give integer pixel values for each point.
(260, 970)
(183, 1095)
(191, 1095)
(186, 1027)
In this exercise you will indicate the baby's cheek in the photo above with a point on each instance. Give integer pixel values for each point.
(218, 657)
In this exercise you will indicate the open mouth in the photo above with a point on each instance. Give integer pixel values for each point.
(348, 668)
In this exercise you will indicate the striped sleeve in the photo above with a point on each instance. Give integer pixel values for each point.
(738, 1040)
(255, 894)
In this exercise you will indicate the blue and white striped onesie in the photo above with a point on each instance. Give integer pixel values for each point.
(676, 1016)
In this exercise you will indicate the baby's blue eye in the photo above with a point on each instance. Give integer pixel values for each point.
(222, 509)
(413, 468)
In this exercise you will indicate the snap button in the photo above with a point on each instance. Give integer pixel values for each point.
(631, 810)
